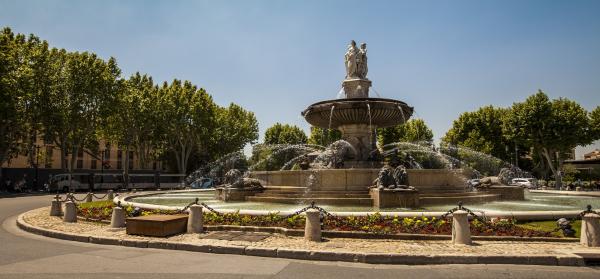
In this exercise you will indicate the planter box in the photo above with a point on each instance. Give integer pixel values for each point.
(157, 225)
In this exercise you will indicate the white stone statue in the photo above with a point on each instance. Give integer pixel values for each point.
(356, 61)
(361, 62)
(351, 57)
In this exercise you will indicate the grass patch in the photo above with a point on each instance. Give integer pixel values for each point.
(550, 226)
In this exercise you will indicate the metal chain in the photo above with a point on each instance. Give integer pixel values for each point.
(188, 206)
(75, 199)
(57, 197)
(210, 209)
(311, 206)
(461, 207)
(100, 198)
(588, 210)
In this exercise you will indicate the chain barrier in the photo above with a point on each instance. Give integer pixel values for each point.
(461, 207)
(101, 197)
(588, 210)
(74, 199)
(210, 209)
(57, 198)
(188, 206)
(311, 206)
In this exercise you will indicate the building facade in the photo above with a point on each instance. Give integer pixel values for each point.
(36, 169)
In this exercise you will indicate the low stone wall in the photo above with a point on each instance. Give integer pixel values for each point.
(355, 179)
(234, 194)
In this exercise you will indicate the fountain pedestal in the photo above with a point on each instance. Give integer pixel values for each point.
(360, 137)
(385, 198)
(356, 88)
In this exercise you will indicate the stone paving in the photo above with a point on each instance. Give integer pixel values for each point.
(40, 218)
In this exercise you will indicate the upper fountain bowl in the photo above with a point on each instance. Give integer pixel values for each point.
(383, 112)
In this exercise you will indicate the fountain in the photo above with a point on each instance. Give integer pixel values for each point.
(353, 174)
(353, 164)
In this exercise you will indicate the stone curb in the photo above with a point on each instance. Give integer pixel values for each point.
(371, 258)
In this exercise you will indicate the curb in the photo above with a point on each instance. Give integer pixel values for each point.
(370, 258)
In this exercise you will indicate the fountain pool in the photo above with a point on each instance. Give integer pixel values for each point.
(538, 202)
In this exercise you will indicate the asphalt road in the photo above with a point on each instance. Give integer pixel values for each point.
(24, 255)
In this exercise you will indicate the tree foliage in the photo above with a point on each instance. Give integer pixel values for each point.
(481, 130)
(285, 134)
(414, 130)
(323, 137)
(595, 122)
(75, 99)
(548, 126)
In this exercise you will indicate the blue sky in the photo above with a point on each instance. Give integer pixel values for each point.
(277, 57)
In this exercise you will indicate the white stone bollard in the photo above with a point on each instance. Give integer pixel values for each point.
(312, 228)
(88, 197)
(56, 209)
(195, 219)
(117, 219)
(590, 230)
(461, 232)
(70, 212)
(110, 195)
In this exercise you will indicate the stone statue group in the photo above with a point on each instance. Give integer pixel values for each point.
(356, 61)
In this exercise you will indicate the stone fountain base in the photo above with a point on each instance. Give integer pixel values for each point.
(234, 194)
(351, 187)
(403, 198)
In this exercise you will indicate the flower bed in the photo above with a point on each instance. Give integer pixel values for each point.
(102, 211)
(373, 223)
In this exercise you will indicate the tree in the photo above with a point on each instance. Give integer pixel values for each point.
(595, 123)
(12, 112)
(79, 102)
(414, 130)
(134, 121)
(24, 77)
(323, 137)
(551, 127)
(188, 114)
(481, 130)
(235, 128)
(285, 134)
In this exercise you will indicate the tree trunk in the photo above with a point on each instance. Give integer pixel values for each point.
(63, 155)
(72, 165)
(555, 172)
(126, 168)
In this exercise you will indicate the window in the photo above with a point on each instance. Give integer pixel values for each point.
(80, 153)
(80, 164)
(93, 166)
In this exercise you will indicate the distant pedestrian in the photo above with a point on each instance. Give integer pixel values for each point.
(9, 186)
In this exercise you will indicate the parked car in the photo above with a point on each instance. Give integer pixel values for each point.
(203, 183)
(523, 182)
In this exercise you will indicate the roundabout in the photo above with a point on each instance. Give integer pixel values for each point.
(44, 257)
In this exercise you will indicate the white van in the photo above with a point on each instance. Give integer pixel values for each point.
(113, 181)
(60, 182)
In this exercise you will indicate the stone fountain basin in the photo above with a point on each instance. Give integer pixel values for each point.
(360, 179)
(384, 112)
